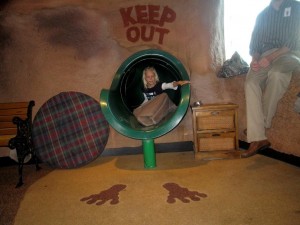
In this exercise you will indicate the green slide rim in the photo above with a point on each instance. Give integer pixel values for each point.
(111, 102)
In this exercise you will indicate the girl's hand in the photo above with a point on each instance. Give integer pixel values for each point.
(181, 82)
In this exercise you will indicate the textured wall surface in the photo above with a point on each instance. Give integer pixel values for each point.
(48, 47)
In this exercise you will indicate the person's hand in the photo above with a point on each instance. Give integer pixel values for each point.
(254, 65)
(264, 62)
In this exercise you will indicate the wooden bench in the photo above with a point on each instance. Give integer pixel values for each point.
(15, 131)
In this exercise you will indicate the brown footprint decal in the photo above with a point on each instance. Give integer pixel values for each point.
(175, 191)
(111, 194)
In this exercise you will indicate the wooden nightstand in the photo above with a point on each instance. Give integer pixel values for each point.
(215, 129)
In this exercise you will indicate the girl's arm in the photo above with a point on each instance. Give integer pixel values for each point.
(180, 83)
(174, 84)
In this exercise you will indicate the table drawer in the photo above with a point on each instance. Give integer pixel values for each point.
(216, 141)
(216, 119)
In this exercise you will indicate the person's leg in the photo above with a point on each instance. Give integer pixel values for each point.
(164, 107)
(272, 87)
(153, 111)
(254, 85)
(254, 89)
(278, 81)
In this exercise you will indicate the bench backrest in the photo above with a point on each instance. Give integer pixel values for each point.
(7, 113)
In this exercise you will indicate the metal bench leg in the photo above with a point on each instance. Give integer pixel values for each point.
(20, 172)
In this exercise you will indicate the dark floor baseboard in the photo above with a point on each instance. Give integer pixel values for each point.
(175, 147)
(159, 148)
(188, 146)
(269, 152)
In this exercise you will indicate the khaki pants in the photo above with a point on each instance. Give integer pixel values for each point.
(263, 90)
(153, 111)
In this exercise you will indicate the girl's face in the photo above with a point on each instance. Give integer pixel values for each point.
(150, 78)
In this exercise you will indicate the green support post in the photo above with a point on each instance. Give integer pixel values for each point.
(149, 153)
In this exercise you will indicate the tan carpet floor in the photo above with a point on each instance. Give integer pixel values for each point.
(180, 191)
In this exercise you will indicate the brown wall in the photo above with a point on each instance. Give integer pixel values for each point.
(77, 45)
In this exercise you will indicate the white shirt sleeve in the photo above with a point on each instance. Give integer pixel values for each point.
(165, 86)
(145, 99)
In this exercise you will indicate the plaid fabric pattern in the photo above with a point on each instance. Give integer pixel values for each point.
(69, 130)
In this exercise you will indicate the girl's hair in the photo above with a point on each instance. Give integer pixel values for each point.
(149, 68)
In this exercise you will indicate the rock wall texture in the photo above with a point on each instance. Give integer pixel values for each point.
(48, 47)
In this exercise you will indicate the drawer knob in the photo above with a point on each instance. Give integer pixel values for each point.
(214, 113)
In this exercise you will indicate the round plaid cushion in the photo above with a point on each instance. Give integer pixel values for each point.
(69, 130)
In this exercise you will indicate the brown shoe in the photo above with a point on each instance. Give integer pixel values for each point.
(255, 147)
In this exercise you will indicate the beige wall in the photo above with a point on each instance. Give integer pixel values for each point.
(77, 45)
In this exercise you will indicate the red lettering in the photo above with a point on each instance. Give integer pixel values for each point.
(153, 14)
(168, 15)
(147, 15)
(126, 16)
(133, 34)
(150, 35)
(141, 13)
(162, 32)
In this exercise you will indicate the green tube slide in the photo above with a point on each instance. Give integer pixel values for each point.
(125, 94)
